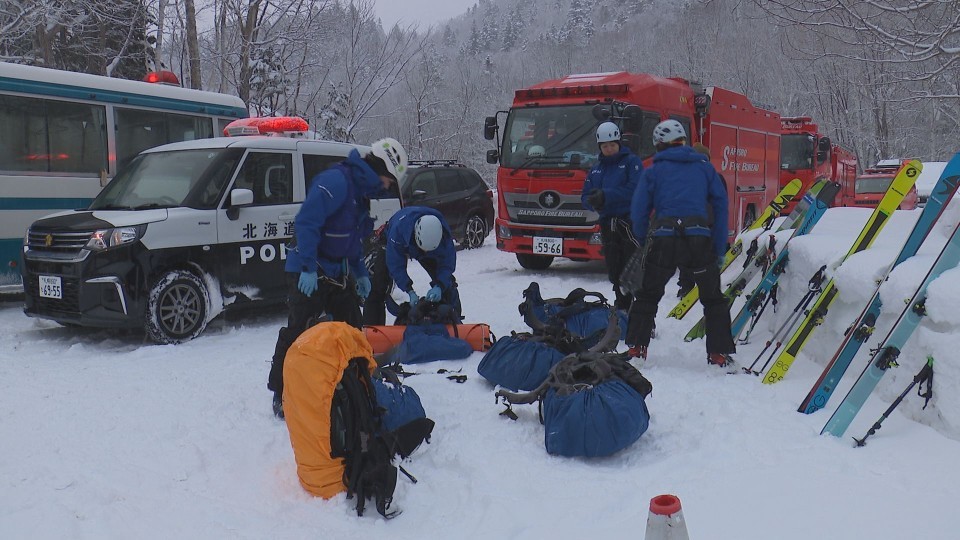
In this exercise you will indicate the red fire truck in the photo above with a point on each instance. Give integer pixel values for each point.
(548, 145)
(808, 155)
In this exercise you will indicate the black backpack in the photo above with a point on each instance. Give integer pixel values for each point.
(357, 436)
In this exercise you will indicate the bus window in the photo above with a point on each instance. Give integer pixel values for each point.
(41, 135)
(138, 130)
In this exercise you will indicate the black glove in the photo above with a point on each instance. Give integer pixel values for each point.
(595, 199)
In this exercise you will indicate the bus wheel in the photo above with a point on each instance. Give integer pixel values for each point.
(534, 262)
(176, 308)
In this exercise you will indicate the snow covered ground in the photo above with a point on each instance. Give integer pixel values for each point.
(105, 436)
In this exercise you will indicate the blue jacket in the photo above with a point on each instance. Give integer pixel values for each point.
(333, 220)
(401, 246)
(681, 183)
(617, 176)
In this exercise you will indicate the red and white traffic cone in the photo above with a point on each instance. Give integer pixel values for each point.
(665, 521)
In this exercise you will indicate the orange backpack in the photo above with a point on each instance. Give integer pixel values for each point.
(335, 422)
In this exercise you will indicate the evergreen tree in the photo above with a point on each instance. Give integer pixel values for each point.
(513, 29)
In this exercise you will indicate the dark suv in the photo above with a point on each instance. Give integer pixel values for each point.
(457, 192)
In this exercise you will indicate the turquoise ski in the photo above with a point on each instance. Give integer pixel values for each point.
(760, 259)
(889, 350)
(862, 327)
(816, 209)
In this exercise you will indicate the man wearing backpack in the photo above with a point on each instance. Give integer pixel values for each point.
(325, 270)
(607, 190)
(421, 233)
(678, 190)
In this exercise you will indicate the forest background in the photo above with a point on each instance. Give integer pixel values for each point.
(880, 77)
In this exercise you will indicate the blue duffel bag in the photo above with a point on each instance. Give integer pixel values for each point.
(598, 421)
(581, 317)
(592, 404)
(429, 342)
(518, 362)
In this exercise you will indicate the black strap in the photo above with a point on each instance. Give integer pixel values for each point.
(926, 376)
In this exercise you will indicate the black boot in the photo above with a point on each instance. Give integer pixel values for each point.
(278, 405)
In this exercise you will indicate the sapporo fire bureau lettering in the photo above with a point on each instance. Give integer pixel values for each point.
(728, 164)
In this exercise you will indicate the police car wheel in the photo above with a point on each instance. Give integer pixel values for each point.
(177, 308)
(474, 232)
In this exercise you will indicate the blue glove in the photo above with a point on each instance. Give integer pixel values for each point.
(307, 283)
(363, 287)
(433, 294)
(413, 298)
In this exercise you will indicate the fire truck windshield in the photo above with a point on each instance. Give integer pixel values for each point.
(550, 137)
(873, 185)
(796, 151)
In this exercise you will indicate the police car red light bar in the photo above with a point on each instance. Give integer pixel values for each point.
(266, 125)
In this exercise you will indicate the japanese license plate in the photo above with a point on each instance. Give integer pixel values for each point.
(546, 245)
(50, 287)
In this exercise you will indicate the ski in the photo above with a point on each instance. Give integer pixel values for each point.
(812, 207)
(886, 355)
(862, 327)
(818, 205)
(765, 220)
(898, 189)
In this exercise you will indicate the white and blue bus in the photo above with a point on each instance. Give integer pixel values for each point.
(63, 135)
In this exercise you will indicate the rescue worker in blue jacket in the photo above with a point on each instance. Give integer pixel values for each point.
(325, 270)
(420, 233)
(607, 190)
(678, 189)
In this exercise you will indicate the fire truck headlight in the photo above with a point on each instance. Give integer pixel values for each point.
(504, 231)
(596, 239)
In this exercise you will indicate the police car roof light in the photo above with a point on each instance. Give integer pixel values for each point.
(267, 125)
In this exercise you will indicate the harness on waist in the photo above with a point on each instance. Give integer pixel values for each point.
(680, 225)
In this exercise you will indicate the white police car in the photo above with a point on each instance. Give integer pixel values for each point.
(185, 231)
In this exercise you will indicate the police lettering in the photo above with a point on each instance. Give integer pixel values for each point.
(265, 253)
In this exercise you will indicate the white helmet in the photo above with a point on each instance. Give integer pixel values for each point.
(608, 132)
(668, 131)
(428, 232)
(393, 156)
(536, 150)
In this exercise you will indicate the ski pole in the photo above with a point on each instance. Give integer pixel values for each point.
(792, 319)
(813, 288)
(924, 376)
(776, 335)
(771, 297)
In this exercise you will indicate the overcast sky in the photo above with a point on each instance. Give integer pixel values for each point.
(423, 12)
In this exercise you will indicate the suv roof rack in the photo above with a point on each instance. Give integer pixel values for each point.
(436, 163)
